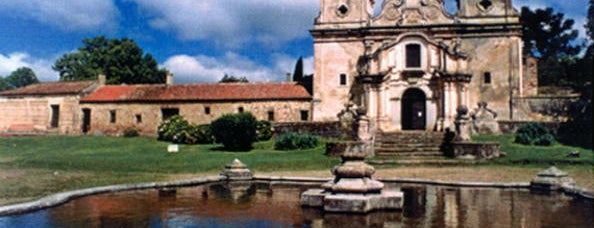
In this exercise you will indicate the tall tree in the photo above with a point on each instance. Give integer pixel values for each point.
(121, 60)
(4, 85)
(550, 37)
(21, 77)
(298, 73)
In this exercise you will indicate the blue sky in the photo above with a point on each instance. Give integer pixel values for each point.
(197, 40)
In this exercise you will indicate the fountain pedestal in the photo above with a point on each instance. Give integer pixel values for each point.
(353, 188)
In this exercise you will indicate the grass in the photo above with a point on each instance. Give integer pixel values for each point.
(543, 155)
(32, 167)
(147, 155)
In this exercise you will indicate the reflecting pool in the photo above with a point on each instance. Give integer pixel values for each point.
(266, 204)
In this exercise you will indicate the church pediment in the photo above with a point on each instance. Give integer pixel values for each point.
(412, 12)
(396, 56)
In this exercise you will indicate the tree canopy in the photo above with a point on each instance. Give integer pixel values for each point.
(550, 37)
(230, 78)
(121, 60)
(21, 77)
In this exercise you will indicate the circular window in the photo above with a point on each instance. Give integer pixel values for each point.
(342, 10)
(485, 5)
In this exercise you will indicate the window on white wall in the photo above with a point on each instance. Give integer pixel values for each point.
(413, 56)
(343, 79)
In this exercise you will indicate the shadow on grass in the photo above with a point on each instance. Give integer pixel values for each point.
(225, 149)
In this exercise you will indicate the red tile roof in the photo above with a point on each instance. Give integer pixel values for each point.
(198, 92)
(50, 88)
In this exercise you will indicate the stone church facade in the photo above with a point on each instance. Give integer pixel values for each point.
(412, 65)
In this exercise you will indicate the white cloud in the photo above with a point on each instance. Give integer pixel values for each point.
(210, 69)
(68, 15)
(232, 23)
(41, 67)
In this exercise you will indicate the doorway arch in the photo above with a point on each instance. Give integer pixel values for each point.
(414, 110)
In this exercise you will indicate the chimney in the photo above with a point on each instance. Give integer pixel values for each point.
(169, 79)
(101, 79)
(289, 77)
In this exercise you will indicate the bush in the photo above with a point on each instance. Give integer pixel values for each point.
(235, 131)
(534, 134)
(131, 132)
(264, 130)
(203, 134)
(177, 130)
(292, 141)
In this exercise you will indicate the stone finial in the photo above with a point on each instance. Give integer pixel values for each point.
(236, 170)
(462, 124)
(551, 179)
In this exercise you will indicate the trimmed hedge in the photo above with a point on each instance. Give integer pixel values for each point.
(534, 134)
(236, 132)
(292, 141)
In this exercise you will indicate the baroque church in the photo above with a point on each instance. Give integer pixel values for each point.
(413, 64)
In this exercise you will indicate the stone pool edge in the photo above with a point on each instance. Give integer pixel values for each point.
(63, 197)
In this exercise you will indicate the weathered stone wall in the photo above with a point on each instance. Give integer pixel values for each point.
(328, 129)
(331, 60)
(32, 114)
(499, 57)
(543, 108)
(151, 115)
(529, 81)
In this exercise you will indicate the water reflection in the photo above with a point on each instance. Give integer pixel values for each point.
(262, 204)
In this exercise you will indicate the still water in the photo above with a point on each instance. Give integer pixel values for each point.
(264, 204)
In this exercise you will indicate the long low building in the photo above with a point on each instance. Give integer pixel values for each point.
(111, 109)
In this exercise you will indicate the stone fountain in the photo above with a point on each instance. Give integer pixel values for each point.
(353, 188)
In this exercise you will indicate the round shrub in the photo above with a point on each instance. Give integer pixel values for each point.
(203, 134)
(545, 140)
(264, 130)
(292, 141)
(534, 134)
(171, 129)
(235, 131)
(130, 132)
(177, 130)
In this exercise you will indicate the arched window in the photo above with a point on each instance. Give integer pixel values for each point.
(413, 56)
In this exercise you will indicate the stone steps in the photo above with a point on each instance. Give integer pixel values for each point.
(420, 161)
(408, 144)
(410, 154)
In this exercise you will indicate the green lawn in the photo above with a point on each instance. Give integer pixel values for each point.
(143, 154)
(540, 155)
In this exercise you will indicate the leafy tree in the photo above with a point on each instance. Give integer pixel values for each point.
(230, 78)
(121, 60)
(4, 85)
(21, 77)
(549, 36)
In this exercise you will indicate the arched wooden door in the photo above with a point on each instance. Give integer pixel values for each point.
(413, 110)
